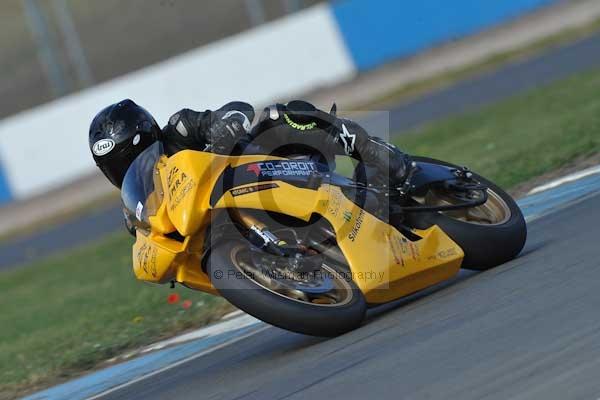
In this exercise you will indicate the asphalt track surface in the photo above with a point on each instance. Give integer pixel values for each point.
(528, 329)
(468, 95)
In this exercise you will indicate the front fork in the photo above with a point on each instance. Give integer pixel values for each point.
(298, 256)
(260, 236)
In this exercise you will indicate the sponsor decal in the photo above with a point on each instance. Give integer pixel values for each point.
(335, 202)
(409, 247)
(357, 224)
(254, 168)
(174, 180)
(146, 258)
(347, 216)
(300, 127)
(182, 194)
(282, 168)
(396, 249)
(451, 252)
(180, 184)
(402, 247)
(103, 147)
(348, 139)
(252, 189)
(138, 210)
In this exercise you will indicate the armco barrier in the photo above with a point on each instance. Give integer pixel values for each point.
(377, 31)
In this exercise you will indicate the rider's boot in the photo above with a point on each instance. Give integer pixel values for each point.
(391, 164)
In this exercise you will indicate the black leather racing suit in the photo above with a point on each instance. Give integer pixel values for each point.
(297, 128)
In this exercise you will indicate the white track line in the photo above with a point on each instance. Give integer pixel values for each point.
(176, 364)
(230, 322)
(565, 179)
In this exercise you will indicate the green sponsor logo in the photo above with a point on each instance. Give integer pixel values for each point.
(347, 216)
(300, 127)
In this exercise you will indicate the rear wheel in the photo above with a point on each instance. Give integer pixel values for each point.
(490, 234)
(323, 303)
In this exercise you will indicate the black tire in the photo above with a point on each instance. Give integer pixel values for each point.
(276, 309)
(485, 246)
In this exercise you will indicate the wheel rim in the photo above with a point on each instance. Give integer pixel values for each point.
(494, 211)
(341, 293)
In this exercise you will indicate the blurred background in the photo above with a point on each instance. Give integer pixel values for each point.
(507, 87)
(53, 48)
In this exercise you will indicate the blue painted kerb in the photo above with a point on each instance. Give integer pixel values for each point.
(100, 381)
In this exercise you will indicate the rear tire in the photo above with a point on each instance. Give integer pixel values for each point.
(485, 246)
(276, 309)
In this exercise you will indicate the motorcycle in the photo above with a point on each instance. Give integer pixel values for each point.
(304, 248)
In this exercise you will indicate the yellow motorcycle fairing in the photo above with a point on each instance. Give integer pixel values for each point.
(383, 263)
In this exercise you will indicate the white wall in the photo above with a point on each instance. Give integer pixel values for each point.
(47, 147)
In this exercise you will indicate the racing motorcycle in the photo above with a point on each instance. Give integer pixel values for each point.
(303, 248)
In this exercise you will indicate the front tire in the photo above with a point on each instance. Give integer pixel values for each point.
(485, 245)
(289, 313)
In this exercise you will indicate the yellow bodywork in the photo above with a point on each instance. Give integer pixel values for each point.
(384, 264)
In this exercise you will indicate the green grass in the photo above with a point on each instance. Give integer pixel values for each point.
(520, 138)
(65, 315)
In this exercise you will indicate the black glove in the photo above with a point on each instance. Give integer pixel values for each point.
(223, 134)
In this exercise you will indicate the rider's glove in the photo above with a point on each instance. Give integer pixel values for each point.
(223, 134)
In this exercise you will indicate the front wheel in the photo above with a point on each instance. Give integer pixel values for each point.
(324, 304)
(490, 234)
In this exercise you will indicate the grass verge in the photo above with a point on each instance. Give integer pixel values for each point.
(67, 314)
(519, 138)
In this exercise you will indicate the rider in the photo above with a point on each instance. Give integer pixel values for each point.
(121, 131)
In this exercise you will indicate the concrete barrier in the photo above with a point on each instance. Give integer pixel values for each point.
(46, 147)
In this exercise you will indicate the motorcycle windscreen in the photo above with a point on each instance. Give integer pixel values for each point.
(140, 198)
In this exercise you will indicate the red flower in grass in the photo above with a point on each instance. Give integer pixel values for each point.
(173, 298)
(186, 304)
